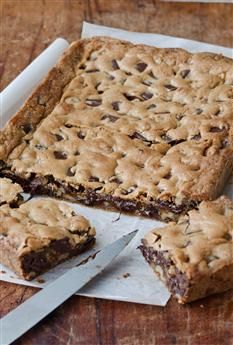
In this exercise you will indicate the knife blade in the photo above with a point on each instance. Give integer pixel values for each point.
(29, 313)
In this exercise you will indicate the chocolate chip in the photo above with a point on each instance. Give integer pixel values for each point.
(141, 66)
(2, 164)
(92, 70)
(130, 97)
(224, 143)
(81, 135)
(128, 73)
(140, 165)
(93, 102)
(166, 138)
(170, 87)
(196, 137)
(137, 135)
(27, 127)
(168, 176)
(60, 155)
(115, 64)
(131, 189)
(94, 179)
(151, 74)
(147, 95)
(68, 125)
(151, 106)
(216, 129)
(179, 116)
(97, 85)
(171, 141)
(217, 112)
(70, 172)
(109, 117)
(115, 179)
(147, 82)
(58, 137)
(124, 192)
(98, 188)
(227, 236)
(40, 147)
(115, 105)
(77, 153)
(184, 73)
(199, 111)
(100, 92)
(158, 238)
(111, 77)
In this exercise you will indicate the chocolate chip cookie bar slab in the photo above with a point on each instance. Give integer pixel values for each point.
(10, 192)
(194, 257)
(41, 233)
(141, 129)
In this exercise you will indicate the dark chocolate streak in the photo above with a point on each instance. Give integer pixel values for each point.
(49, 186)
(177, 283)
(40, 261)
(15, 203)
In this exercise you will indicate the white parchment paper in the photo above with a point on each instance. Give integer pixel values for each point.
(128, 278)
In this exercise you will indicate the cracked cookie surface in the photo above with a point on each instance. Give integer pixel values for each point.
(146, 130)
(41, 233)
(194, 257)
(9, 192)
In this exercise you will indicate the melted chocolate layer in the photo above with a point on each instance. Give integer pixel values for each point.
(37, 262)
(177, 282)
(47, 185)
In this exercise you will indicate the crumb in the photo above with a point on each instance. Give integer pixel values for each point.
(2, 272)
(201, 306)
(118, 218)
(92, 257)
(126, 275)
(40, 280)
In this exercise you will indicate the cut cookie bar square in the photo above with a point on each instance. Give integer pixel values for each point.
(41, 233)
(141, 129)
(194, 257)
(10, 192)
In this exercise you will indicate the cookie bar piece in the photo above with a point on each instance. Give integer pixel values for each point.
(141, 129)
(40, 234)
(10, 192)
(194, 257)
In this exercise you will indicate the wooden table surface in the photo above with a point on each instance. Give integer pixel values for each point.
(27, 28)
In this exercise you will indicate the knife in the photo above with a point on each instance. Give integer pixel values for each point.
(29, 313)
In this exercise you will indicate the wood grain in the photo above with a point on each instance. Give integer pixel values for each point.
(28, 27)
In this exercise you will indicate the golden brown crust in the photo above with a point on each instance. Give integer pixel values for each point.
(34, 228)
(41, 102)
(9, 191)
(162, 119)
(200, 246)
(46, 95)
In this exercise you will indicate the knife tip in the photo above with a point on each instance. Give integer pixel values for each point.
(130, 235)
